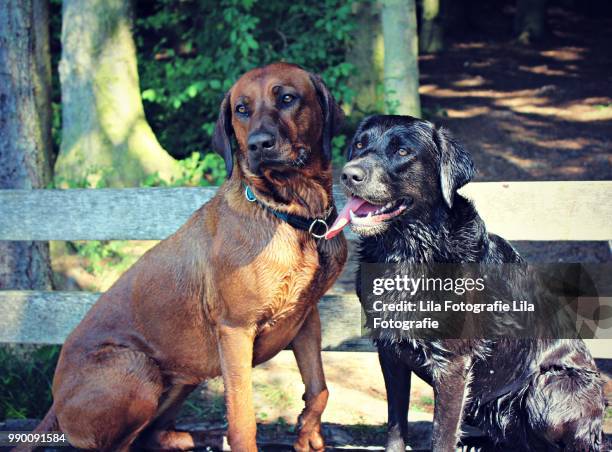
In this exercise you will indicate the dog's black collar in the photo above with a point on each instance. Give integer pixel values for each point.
(317, 227)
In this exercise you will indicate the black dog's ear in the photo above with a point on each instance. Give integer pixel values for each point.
(456, 165)
(332, 115)
(222, 136)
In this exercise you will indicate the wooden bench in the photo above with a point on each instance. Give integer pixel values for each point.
(536, 211)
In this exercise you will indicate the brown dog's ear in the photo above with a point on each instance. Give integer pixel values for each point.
(332, 115)
(222, 136)
(456, 165)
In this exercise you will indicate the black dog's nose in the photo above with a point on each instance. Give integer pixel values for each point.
(353, 174)
(261, 141)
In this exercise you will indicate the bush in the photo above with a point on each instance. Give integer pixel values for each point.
(26, 378)
(191, 52)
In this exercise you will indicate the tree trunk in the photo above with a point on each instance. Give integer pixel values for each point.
(367, 55)
(530, 20)
(401, 57)
(25, 129)
(431, 37)
(104, 131)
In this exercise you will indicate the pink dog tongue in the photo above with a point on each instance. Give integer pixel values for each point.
(344, 217)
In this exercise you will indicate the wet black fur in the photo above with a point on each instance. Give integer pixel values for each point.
(528, 395)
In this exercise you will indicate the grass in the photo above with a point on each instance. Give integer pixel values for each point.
(424, 404)
(212, 409)
(273, 394)
(206, 403)
(603, 106)
(102, 255)
(363, 433)
(26, 376)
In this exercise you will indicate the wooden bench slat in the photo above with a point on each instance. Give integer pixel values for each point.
(39, 317)
(103, 214)
(515, 210)
(577, 210)
(45, 317)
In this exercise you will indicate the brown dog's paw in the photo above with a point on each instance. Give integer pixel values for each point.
(310, 437)
(310, 441)
(161, 440)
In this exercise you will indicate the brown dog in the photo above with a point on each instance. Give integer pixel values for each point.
(230, 289)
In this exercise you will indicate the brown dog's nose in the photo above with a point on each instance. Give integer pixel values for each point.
(261, 142)
(354, 174)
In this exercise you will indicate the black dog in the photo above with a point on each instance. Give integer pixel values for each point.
(524, 394)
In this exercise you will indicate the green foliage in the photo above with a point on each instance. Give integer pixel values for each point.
(26, 378)
(195, 171)
(100, 181)
(55, 46)
(100, 254)
(339, 143)
(212, 409)
(191, 52)
(433, 112)
(426, 400)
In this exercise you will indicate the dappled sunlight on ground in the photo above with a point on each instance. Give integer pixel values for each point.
(357, 392)
(528, 113)
(470, 81)
(569, 53)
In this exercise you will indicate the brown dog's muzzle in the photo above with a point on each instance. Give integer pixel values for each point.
(262, 148)
(264, 140)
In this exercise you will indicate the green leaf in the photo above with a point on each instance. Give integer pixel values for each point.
(192, 90)
(149, 94)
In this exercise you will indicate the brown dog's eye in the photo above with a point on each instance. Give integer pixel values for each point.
(403, 152)
(288, 98)
(241, 109)
(359, 145)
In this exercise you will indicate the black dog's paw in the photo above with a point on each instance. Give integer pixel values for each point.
(395, 444)
(479, 443)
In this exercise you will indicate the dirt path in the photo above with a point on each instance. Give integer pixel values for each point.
(542, 112)
(528, 113)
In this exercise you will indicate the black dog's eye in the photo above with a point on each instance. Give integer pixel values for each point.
(403, 152)
(359, 145)
(241, 109)
(288, 98)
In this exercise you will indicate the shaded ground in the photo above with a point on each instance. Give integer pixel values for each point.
(542, 112)
(355, 414)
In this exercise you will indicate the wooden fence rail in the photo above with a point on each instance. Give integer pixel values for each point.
(39, 317)
(516, 210)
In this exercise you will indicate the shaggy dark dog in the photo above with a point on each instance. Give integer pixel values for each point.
(524, 394)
